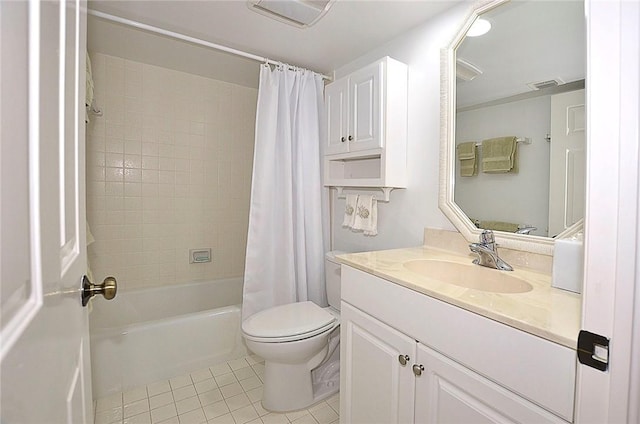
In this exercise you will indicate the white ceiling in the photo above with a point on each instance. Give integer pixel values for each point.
(529, 41)
(350, 29)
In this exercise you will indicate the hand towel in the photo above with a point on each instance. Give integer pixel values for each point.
(468, 159)
(500, 155)
(366, 215)
(499, 226)
(350, 210)
(88, 101)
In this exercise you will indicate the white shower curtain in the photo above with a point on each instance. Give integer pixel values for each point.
(285, 253)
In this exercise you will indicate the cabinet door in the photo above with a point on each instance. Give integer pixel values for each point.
(336, 103)
(374, 386)
(448, 392)
(365, 122)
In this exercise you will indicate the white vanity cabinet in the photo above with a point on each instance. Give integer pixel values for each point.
(407, 357)
(366, 127)
(375, 386)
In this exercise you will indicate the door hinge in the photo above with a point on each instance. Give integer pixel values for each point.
(593, 350)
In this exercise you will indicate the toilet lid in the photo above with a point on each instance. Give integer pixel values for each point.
(290, 321)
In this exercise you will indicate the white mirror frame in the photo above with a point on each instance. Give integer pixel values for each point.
(527, 243)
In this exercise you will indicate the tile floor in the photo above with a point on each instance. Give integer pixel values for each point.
(229, 392)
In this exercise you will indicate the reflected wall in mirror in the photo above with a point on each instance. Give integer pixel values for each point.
(524, 78)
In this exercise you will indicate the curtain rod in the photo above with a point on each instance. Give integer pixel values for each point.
(189, 39)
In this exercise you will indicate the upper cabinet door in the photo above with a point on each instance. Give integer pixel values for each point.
(336, 102)
(364, 108)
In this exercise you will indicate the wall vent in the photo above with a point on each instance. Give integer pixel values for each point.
(299, 13)
(545, 84)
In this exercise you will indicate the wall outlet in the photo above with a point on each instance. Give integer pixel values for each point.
(198, 256)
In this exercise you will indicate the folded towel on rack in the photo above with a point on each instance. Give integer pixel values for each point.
(468, 159)
(500, 155)
(350, 210)
(499, 226)
(366, 215)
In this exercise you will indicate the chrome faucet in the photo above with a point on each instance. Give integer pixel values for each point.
(526, 230)
(487, 251)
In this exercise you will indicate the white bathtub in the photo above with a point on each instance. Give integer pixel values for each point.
(147, 335)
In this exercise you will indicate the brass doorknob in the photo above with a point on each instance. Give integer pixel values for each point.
(108, 289)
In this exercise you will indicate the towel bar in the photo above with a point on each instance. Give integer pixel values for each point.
(95, 111)
(385, 193)
(521, 140)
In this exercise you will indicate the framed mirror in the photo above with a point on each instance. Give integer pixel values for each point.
(522, 81)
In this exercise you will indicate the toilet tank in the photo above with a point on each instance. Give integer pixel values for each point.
(332, 278)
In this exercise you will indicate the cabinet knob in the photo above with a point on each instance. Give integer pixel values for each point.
(350, 137)
(417, 369)
(342, 139)
(403, 359)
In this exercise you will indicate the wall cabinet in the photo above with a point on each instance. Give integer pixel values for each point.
(367, 127)
(393, 373)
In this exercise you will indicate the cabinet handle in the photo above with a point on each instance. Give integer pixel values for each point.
(342, 139)
(350, 137)
(403, 359)
(417, 369)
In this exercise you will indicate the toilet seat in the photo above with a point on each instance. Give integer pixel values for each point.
(290, 322)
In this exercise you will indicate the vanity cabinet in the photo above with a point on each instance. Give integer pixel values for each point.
(366, 127)
(407, 357)
(376, 386)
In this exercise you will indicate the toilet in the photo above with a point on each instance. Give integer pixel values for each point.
(299, 343)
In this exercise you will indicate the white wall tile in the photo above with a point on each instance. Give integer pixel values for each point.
(168, 169)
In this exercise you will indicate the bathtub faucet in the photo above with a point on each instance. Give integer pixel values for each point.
(487, 251)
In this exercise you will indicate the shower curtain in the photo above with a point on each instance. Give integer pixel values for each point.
(285, 253)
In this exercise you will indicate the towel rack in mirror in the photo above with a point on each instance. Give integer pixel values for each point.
(521, 140)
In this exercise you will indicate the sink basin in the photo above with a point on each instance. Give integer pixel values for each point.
(469, 276)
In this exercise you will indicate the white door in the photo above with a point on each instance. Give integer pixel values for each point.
(376, 382)
(611, 299)
(335, 98)
(567, 161)
(45, 369)
(447, 392)
(365, 88)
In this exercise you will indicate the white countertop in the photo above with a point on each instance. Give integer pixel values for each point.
(547, 312)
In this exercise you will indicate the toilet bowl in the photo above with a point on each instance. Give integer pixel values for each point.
(300, 345)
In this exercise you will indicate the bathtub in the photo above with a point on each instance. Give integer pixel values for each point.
(147, 335)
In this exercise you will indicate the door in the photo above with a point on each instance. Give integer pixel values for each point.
(365, 120)
(45, 369)
(376, 381)
(567, 161)
(335, 97)
(611, 299)
(447, 392)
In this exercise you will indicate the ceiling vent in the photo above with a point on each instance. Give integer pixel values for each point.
(299, 13)
(466, 71)
(545, 84)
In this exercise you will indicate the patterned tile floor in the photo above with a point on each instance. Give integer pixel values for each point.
(229, 392)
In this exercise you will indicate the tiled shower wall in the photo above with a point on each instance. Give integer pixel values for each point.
(168, 169)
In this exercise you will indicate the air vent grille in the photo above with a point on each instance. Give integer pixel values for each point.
(466, 71)
(540, 85)
(300, 13)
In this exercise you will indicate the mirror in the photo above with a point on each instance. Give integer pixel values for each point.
(516, 80)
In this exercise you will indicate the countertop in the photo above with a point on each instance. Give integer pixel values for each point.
(547, 312)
